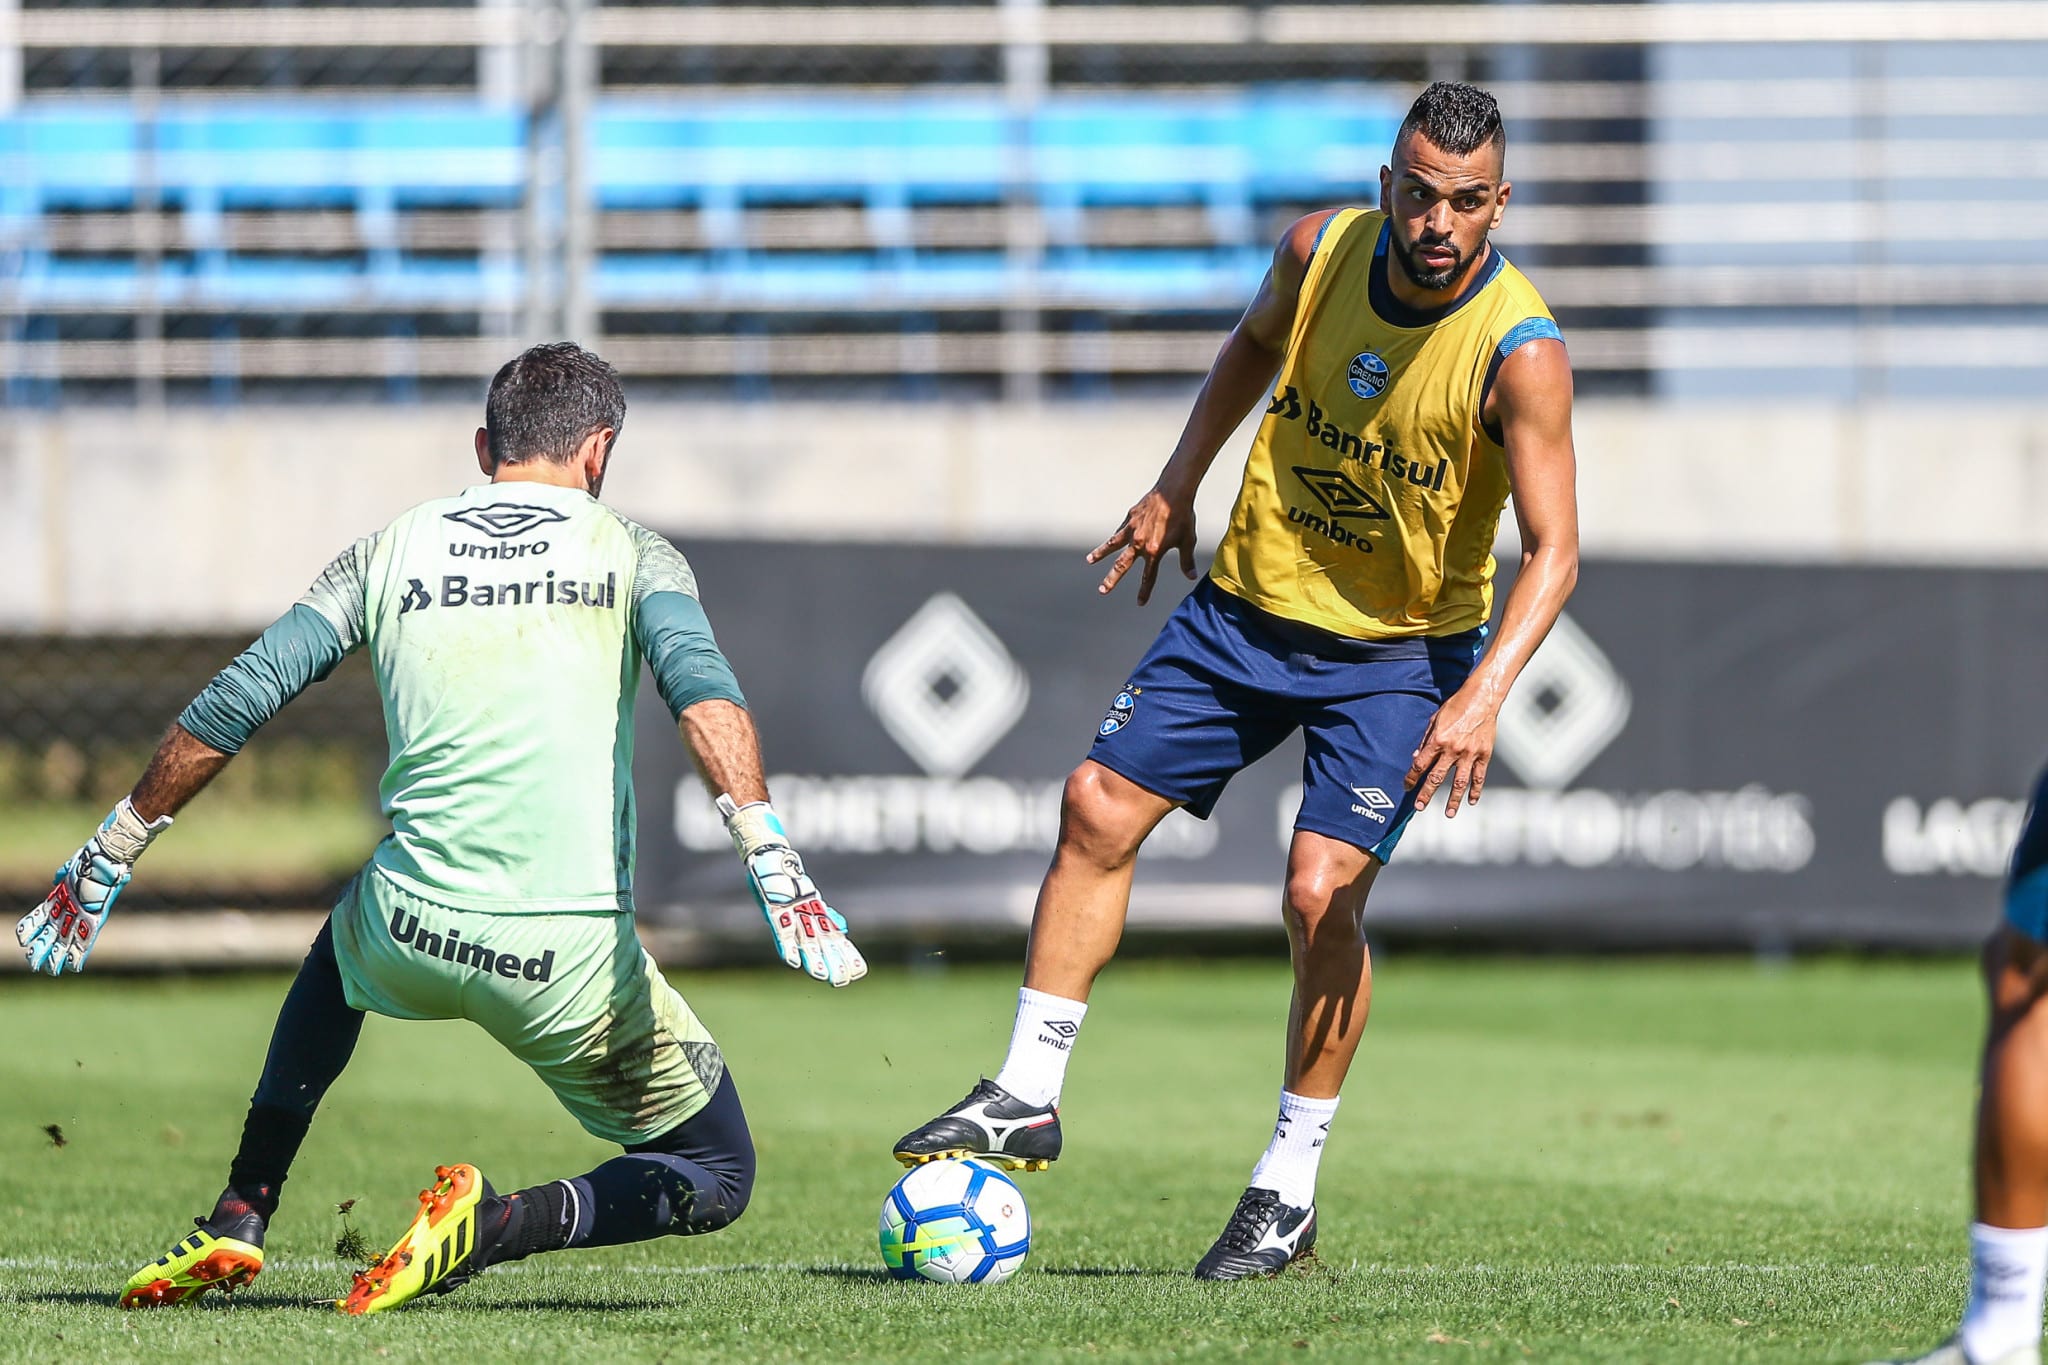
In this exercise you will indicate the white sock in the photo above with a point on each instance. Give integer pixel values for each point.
(2008, 1274)
(1040, 1044)
(1289, 1165)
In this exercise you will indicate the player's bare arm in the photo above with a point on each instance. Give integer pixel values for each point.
(1164, 519)
(179, 771)
(723, 744)
(1532, 404)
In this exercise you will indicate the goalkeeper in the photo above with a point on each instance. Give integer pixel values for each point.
(507, 625)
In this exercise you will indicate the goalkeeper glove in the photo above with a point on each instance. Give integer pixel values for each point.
(64, 927)
(809, 934)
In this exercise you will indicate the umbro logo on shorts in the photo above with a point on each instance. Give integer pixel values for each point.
(451, 947)
(1372, 803)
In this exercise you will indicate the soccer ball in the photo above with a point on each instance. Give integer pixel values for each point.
(955, 1222)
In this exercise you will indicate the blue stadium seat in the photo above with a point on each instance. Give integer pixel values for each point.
(888, 154)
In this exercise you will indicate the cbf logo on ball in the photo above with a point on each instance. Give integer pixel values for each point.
(1368, 375)
(1119, 712)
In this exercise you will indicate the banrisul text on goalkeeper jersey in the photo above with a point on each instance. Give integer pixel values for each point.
(458, 590)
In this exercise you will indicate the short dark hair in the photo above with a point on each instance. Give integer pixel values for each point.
(1457, 117)
(547, 399)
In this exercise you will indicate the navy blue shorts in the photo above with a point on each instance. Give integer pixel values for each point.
(1225, 682)
(2026, 887)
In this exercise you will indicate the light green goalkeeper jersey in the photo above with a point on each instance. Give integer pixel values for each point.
(506, 626)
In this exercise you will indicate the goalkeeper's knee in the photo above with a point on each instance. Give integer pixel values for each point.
(702, 1169)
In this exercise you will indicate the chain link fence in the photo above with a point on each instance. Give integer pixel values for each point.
(282, 827)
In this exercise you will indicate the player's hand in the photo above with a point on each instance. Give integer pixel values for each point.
(1455, 749)
(809, 934)
(1154, 526)
(61, 931)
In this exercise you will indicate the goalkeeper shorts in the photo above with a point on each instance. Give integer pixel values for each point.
(574, 996)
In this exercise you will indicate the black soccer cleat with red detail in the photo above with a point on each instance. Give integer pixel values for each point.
(992, 1125)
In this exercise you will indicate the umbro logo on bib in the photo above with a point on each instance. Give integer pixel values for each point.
(1339, 495)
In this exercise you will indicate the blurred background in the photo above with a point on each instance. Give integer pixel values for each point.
(911, 301)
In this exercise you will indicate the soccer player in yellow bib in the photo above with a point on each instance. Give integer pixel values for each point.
(1412, 379)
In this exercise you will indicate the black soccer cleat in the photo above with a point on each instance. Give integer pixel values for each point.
(1263, 1235)
(990, 1125)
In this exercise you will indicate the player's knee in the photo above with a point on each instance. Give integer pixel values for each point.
(2015, 969)
(1321, 902)
(716, 1209)
(735, 1172)
(738, 1193)
(1094, 823)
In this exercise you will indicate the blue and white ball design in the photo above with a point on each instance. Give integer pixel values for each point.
(955, 1222)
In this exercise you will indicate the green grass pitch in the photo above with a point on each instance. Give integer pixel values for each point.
(1549, 1160)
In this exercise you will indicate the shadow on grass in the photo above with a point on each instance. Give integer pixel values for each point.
(863, 1275)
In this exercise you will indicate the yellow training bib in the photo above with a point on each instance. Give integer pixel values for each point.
(1373, 490)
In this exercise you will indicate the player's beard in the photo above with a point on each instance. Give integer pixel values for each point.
(1421, 275)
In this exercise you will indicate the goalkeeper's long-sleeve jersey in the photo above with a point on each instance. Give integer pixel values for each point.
(506, 626)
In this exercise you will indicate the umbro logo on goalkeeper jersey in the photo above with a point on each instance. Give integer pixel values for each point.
(505, 519)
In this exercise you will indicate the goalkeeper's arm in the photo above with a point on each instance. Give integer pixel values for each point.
(695, 680)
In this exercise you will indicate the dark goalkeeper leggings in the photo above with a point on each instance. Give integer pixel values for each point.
(695, 1178)
(315, 1035)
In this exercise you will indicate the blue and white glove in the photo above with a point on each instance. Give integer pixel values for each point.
(809, 934)
(62, 930)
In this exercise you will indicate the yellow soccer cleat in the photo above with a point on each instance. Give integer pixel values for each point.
(225, 1256)
(437, 1253)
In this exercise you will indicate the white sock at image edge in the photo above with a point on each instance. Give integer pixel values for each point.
(2008, 1276)
(1289, 1165)
(1041, 1042)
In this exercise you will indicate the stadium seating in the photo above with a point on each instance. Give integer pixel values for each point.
(890, 156)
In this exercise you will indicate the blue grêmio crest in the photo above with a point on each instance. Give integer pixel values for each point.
(1368, 375)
